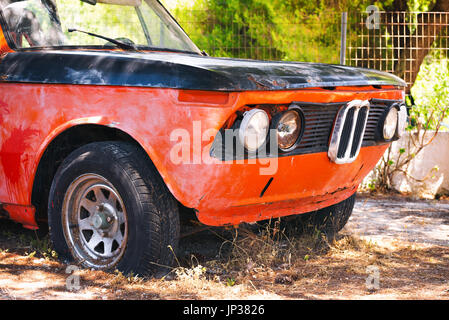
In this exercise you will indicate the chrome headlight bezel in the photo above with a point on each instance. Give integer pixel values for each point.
(249, 119)
(300, 125)
(390, 123)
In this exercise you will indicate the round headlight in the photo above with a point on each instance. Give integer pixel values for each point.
(288, 128)
(254, 129)
(402, 120)
(390, 124)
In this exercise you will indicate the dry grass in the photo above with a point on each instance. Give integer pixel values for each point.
(246, 263)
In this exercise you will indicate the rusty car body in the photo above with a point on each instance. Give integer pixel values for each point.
(63, 100)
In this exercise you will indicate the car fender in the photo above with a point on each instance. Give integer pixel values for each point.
(106, 122)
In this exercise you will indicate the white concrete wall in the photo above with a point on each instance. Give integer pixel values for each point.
(436, 154)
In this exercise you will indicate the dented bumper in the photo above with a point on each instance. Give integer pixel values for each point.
(300, 184)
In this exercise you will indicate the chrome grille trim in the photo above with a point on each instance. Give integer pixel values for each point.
(348, 132)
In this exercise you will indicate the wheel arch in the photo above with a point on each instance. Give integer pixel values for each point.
(56, 149)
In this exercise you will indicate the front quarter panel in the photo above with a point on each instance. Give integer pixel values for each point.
(32, 115)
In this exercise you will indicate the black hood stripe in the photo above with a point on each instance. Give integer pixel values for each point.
(179, 71)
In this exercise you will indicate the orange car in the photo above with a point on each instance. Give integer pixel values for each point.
(111, 119)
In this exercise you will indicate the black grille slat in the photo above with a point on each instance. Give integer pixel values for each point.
(325, 131)
(346, 133)
(319, 121)
(358, 130)
(375, 113)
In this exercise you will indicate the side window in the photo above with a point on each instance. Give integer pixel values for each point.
(33, 23)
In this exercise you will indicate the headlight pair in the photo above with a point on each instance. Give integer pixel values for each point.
(395, 122)
(255, 126)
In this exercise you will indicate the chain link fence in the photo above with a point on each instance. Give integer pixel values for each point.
(289, 37)
(396, 42)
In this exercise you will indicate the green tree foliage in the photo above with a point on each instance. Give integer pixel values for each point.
(232, 28)
(299, 30)
(431, 93)
(262, 29)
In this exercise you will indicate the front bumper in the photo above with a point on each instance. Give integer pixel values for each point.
(240, 193)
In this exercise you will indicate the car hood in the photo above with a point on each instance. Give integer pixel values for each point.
(180, 71)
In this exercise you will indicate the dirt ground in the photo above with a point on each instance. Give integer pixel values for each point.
(392, 248)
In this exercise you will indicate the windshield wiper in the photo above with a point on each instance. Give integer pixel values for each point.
(121, 45)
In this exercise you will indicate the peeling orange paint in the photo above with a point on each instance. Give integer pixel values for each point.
(32, 115)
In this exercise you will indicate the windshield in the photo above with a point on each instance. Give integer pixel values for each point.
(142, 23)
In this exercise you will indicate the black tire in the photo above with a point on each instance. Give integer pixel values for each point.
(150, 211)
(329, 220)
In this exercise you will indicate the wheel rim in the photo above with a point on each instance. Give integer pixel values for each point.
(95, 222)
